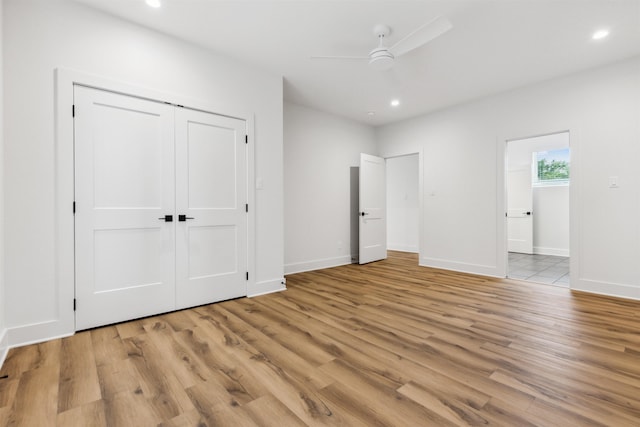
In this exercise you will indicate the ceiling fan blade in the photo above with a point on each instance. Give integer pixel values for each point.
(338, 57)
(422, 35)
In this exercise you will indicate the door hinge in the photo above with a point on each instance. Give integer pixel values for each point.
(74, 304)
(246, 139)
(247, 275)
(73, 110)
(246, 207)
(74, 207)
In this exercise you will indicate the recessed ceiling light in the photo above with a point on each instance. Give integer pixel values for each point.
(395, 103)
(154, 3)
(600, 34)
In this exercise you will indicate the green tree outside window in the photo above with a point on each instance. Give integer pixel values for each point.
(553, 165)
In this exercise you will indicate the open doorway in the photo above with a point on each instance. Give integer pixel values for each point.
(403, 205)
(538, 183)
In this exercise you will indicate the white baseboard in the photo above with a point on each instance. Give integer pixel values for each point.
(483, 270)
(4, 346)
(604, 288)
(267, 287)
(300, 267)
(402, 248)
(550, 251)
(37, 333)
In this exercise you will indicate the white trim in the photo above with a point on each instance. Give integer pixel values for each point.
(268, 287)
(403, 248)
(4, 346)
(36, 333)
(462, 267)
(318, 264)
(618, 290)
(251, 201)
(550, 251)
(65, 79)
(502, 253)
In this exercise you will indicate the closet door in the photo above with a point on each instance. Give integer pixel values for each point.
(211, 232)
(124, 186)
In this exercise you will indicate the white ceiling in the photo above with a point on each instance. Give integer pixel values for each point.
(495, 45)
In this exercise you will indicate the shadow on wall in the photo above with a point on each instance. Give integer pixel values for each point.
(354, 209)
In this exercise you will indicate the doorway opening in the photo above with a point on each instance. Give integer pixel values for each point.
(403, 204)
(538, 186)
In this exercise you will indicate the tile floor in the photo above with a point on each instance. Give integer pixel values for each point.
(539, 268)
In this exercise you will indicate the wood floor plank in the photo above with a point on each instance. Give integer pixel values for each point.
(268, 411)
(375, 396)
(217, 413)
(440, 402)
(294, 388)
(79, 382)
(8, 388)
(224, 369)
(89, 414)
(28, 358)
(117, 377)
(186, 419)
(130, 408)
(159, 384)
(36, 402)
(107, 345)
(270, 349)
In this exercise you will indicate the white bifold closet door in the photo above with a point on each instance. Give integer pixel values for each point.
(160, 196)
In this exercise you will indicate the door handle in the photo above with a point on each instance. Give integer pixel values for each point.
(167, 218)
(527, 213)
(183, 218)
(364, 213)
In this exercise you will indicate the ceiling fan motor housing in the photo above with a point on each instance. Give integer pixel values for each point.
(381, 59)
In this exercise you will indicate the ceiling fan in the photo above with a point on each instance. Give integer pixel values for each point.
(383, 57)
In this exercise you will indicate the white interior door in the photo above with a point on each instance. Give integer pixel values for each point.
(373, 221)
(124, 187)
(520, 211)
(211, 263)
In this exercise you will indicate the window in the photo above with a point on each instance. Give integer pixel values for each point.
(551, 167)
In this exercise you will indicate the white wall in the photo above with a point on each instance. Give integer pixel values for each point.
(463, 173)
(3, 329)
(41, 35)
(550, 203)
(402, 203)
(551, 220)
(320, 151)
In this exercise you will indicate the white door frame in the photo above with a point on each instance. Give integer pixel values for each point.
(574, 226)
(64, 282)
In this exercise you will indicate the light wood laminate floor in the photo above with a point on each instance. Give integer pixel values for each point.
(385, 344)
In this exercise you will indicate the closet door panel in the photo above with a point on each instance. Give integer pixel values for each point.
(211, 242)
(124, 187)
